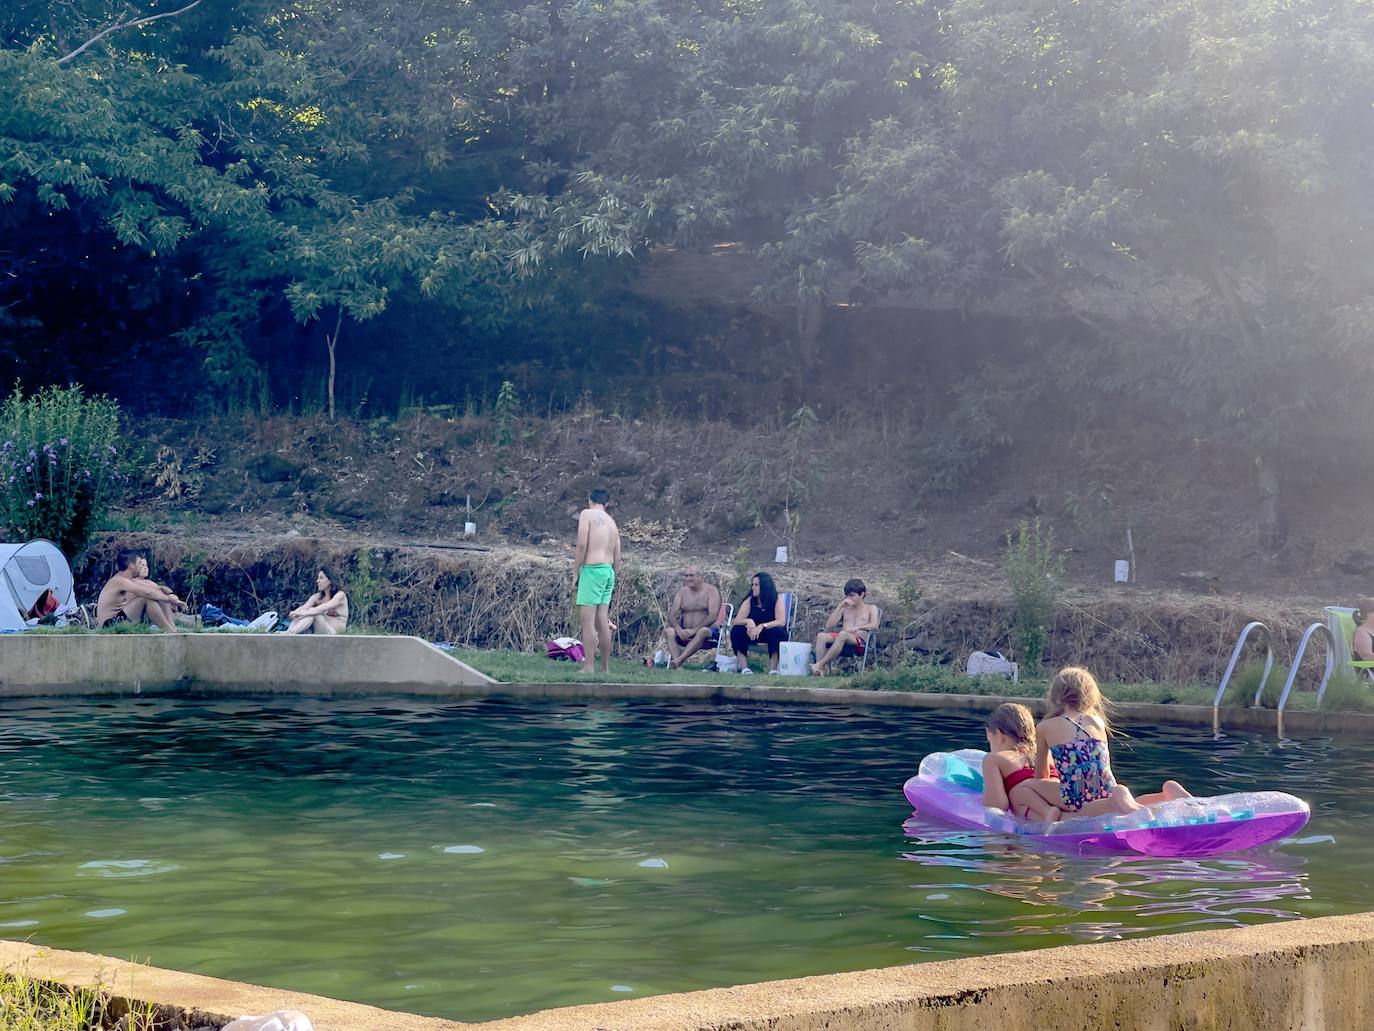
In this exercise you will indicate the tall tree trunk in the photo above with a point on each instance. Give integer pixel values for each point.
(330, 342)
(1270, 522)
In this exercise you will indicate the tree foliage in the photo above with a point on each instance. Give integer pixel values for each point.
(1184, 183)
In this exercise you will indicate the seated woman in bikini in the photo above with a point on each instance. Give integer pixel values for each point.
(327, 610)
(1009, 780)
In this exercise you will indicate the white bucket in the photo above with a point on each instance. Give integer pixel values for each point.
(780, 554)
(469, 529)
(1123, 571)
(794, 659)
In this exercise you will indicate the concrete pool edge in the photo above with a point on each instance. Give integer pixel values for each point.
(61, 664)
(1313, 974)
(112, 664)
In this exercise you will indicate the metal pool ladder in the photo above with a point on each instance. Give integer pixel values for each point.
(1264, 678)
(1297, 661)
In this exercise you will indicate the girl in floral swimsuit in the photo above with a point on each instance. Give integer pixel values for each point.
(1074, 736)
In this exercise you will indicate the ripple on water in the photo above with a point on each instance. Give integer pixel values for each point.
(125, 868)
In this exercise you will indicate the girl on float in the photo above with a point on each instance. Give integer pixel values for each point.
(1009, 780)
(1074, 736)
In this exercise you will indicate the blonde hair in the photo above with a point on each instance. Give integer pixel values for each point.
(1074, 688)
(1017, 723)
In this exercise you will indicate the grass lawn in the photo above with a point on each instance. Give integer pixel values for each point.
(514, 667)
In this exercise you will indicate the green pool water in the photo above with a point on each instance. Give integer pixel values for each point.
(486, 858)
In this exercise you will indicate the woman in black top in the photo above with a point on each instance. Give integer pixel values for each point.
(761, 617)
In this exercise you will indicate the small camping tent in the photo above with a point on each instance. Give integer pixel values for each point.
(26, 571)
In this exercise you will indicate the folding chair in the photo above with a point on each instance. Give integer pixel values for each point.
(869, 646)
(1340, 620)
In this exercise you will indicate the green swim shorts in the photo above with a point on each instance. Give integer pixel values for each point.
(595, 583)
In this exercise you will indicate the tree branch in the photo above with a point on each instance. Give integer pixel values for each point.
(1057, 296)
(1233, 302)
(124, 25)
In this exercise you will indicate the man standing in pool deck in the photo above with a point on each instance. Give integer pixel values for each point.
(598, 557)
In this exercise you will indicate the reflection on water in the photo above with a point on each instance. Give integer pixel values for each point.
(1101, 896)
(483, 858)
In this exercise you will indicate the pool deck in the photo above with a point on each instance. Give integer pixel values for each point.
(1303, 975)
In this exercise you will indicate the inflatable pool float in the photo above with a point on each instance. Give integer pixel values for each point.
(949, 787)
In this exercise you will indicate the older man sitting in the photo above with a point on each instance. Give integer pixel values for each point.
(693, 619)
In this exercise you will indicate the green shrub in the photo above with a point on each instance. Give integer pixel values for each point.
(744, 572)
(1034, 570)
(1346, 692)
(59, 464)
(363, 589)
(1245, 682)
(507, 411)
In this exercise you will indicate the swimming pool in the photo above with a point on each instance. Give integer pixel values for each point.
(482, 858)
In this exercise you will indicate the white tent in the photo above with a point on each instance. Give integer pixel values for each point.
(26, 571)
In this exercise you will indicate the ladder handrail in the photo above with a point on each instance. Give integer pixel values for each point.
(1297, 661)
(1231, 668)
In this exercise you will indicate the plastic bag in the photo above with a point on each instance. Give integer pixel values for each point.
(281, 1020)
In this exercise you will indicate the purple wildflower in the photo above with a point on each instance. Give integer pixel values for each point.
(63, 442)
(28, 468)
(38, 496)
(31, 503)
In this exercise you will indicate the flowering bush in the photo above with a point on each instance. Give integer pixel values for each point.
(59, 463)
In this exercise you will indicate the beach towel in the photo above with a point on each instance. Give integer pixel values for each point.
(568, 649)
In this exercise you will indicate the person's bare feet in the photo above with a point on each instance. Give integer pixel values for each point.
(1173, 789)
(817, 670)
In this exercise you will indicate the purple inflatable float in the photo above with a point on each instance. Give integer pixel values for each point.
(949, 787)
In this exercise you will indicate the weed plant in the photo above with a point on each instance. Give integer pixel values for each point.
(363, 589)
(27, 1004)
(739, 587)
(1034, 571)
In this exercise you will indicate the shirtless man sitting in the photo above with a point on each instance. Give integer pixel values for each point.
(847, 627)
(129, 596)
(598, 556)
(693, 618)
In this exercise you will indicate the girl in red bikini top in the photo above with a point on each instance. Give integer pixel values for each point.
(1009, 780)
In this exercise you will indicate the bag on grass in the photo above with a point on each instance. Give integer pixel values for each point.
(993, 664)
(567, 649)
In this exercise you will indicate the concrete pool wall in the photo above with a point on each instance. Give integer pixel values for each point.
(1304, 975)
(49, 664)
